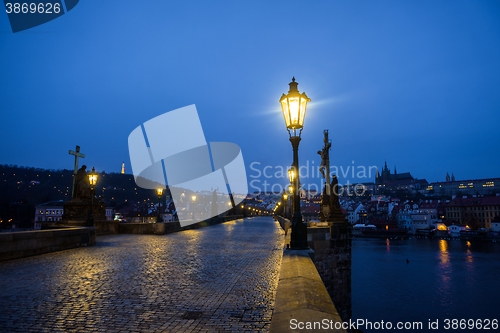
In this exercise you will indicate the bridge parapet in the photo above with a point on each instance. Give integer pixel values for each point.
(21, 244)
(302, 300)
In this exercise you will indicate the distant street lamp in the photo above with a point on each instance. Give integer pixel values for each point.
(243, 211)
(285, 202)
(92, 182)
(193, 199)
(294, 105)
(159, 191)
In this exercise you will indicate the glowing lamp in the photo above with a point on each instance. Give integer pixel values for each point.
(291, 174)
(93, 178)
(294, 105)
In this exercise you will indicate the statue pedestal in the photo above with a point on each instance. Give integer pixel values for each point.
(77, 212)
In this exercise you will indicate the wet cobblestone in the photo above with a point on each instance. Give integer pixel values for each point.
(221, 278)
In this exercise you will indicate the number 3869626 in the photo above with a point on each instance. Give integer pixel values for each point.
(32, 8)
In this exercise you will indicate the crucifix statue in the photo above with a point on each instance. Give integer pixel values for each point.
(324, 168)
(329, 208)
(77, 154)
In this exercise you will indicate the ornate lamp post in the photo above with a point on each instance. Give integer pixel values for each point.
(294, 105)
(92, 181)
(159, 191)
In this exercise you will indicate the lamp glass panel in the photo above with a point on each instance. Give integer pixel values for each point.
(284, 108)
(295, 114)
(303, 106)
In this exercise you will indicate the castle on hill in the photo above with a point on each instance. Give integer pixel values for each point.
(397, 181)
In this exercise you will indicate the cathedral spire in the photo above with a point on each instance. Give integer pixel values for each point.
(447, 177)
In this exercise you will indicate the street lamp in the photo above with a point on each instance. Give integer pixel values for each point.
(294, 105)
(285, 202)
(159, 191)
(291, 174)
(193, 199)
(92, 181)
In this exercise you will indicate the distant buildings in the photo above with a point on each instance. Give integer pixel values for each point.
(387, 182)
(476, 212)
(451, 187)
(353, 212)
(421, 216)
(425, 217)
(53, 211)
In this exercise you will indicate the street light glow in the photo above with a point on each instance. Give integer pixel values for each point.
(93, 177)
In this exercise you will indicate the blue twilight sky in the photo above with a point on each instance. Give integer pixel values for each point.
(415, 83)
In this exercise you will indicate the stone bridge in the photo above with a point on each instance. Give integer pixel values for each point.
(214, 279)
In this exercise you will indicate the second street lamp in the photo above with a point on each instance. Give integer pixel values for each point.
(193, 199)
(294, 105)
(159, 191)
(92, 182)
(285, 203)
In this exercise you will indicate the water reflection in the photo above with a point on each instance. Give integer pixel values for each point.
(388, 245)
(443, 252)
(469, 258)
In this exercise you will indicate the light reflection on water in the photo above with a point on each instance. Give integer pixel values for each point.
(442, 279)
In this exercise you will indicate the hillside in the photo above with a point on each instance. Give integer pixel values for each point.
(22, 188)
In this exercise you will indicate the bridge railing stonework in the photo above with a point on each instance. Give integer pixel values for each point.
(21, 244)
(301, 298)
(331, 260)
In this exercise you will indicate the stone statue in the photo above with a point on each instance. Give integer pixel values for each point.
(325, 158)
(330, 207)
(82, 186)
(334, 194)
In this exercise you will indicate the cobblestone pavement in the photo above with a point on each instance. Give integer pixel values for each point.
(214, 279)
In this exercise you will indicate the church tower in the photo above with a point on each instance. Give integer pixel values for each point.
(123, 168)
(386, 173)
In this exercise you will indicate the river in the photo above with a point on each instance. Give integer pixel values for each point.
(425, 280)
